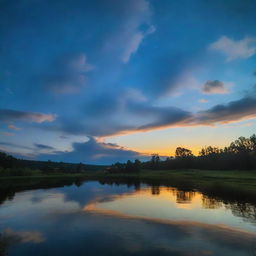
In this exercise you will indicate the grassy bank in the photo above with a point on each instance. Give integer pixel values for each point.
(245, 180)
(242, 179)
(228, 186)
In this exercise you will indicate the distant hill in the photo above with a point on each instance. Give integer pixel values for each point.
(14, 166)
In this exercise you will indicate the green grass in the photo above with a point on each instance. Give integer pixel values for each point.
(243, 180)
(225, 176)
(240, 180)
(195, 174)
(53, 176)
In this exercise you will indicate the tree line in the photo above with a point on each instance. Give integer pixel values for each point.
(12, 166)
(239, 155)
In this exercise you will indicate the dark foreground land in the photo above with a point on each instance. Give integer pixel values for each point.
(246, 179)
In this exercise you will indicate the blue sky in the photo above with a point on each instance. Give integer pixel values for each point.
(110, 80)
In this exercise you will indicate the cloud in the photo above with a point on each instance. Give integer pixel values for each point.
(234, 111)
(13, 127)
(94, 151)
(63, 137)
(134, 43)
(162, 117)
(235, 49)
(13, 145)
(125, 115)
(23, 236)
(167, 73)
(133, 27)
(145, 117)
(31, 150)
(7, 133)
(42, 146)
(9, 115)
(203, 100)
(214, 87)
(68, 75)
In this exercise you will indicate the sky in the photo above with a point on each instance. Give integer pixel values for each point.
(110, 80)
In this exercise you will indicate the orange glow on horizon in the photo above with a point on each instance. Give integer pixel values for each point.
(170, 152)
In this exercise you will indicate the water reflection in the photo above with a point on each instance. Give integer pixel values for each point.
(211, 203)
(183, 197)
(125, 219)
(170, 204)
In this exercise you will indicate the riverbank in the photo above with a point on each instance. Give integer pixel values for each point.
(228, 186)
(241, 179)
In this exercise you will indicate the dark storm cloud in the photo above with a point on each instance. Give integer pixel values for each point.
(9, 115)
(93, 151)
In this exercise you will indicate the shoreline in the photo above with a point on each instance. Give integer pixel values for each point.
(245, 180)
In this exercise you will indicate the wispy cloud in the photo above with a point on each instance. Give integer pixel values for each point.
(9, 115)
(13, 127)
(203, 100)
(235, 49)
(134, 43)
(13, 145)
(7, 133)
(23, 236)
(134, 26)
(28, 151)
(43, 147)
(68, 75)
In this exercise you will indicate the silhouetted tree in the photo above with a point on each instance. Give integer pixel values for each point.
(240, 154)
(183, 152)
(79, 167)
(129, 166)
(137, 165)
(154, 162)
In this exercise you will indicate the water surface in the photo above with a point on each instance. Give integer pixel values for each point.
(117, 219)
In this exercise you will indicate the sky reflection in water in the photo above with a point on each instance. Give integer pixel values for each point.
(96, 219)
(171, 204)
